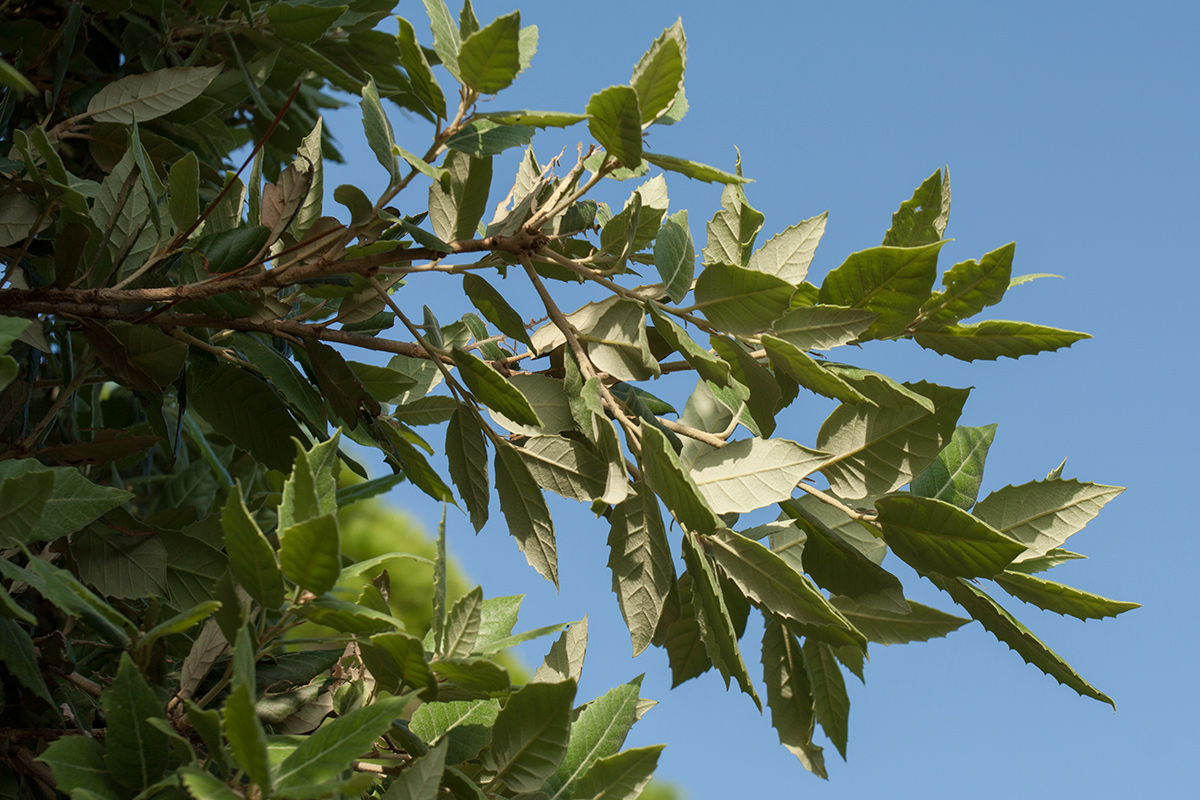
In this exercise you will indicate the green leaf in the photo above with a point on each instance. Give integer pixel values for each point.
(958, 471)
(462, 625)
(412, 58)
(740, 300)
(791, 360)
(525, 511)
(893, 282)
(565, 467)
(529, 739)
(822, 327)
(1060, 599)
(617, 342)
(879, 449)
(1009, 631)
(733, 229)
(404, 456)
(22, 502)
(658, 76)
(488, 59)
(936, 536)
(379, 130)
(432, 410)
(1019, 280)
(121, 565)
(11, 329)
(179, 623)
(1043, 514)
(991, 339)
(251, 556)
(789, 696)
(888, 627)
(152, 351)
(64, 590)
(679, 632)
(421, 778)
(309, 553)
(675, 255)
(246, 736)
(20, 659)
(787, 254)
(302, 23)
(1037, 564)
(535, 119)
(640, 559)
(348, 617)
(707, 366)
(495, 308)
(77, 762)
(473, 675)
(466, 453)
(204, 785)
(971, 286)
(397, 661)
(830, 701)
(11, 77)
(666, 476)
(493, 389)
(446, 35)
(691, 169)
(326, 753)
(465, 724)
(311, 490)
(619, 777)
(308, 157)
(615, 120)
(296, 390)
(752, 473)
(598, 732)
(770, 583)
(922, 219)
(712, 615)
(135, 751)
(763, 402)
(149, 95)
(483, 138)
(243, 408)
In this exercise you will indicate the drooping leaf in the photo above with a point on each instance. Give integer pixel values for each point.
(792, 361)
(1009, 631)
(525, 510)
(1043, 514)
(455, 210)
(922, 219)
(420, 75)
(991, 339)
(957, 472)
(149, 95)
(888, 627)
(787, 254)
(343, 389)
(565, 659)
(495, 308)
(21, 661)
(549, 401)
(670, 481)
(493, 389)
(936, 536)
(488, 60)
(830, 701)
(1060, 599)
(789, 696)
(565, 467)
(893, 282)
(446, 34)
(763, 401)
(466, 452)
(640, 560)
(529, 739)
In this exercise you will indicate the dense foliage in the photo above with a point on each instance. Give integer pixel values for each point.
(178, 374)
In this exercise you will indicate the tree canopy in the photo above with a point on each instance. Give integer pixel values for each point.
(189, 337)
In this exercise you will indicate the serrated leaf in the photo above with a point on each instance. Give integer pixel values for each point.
(251, 556)
(936, 536)
(246, 736)
(488, 60)
(566, 467)
(792, 361)
(495, 308)
(135, 752)
(822, 327)
(991, 339)
(789, 696)
(878, 449)
(462, 625)
(565, 659)
(640, 560)
(484, 138)
(922, 219)
(311, 490)
(404, 456)
(620, 777)
(888, 627)
(1060, 599)
(446, 34)
(1053, 558)
(21, 660)
(242, 408)
(692, 169)
(150, 94)
(893, 282)
(675, 255)
(396, 661)
(617, 343)
(752, 473)
(525, 510)
(309, 553)
(658, 76)
(712, 615)
(327, 752)
(740, 300)
(615, 120)
(420, 75)
(956, 474)
(493, 389)
(598, 732)
(787, 254)
(535, 119)
(763, 401)
(466, 725)
(529, 739)
(971, 286)
(1044, 514)
(1009, 631)
(120, 565)
(77, 762)
(666, 476)
(22, 500)
(770, 583)
(733, 229)
(466, 454)
(65, 591)
(708, 366)
(830, 701)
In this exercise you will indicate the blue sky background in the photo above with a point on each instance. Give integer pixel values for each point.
(1070, 128)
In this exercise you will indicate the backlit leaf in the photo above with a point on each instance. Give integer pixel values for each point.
(493, 389)
(936, 536)
(752, 473)
(488, 60)
(922, 219)
(1043, 514)
(1060, 599)
(640, 560)
(525, 510)
(957, 472)
(740, 300)
(615, 120)
(787, 254)
(789, 696)
(658, 76)
(529, 739)
(971, 286)
(830, 701)
(893, 282)
(149, 95)
(888, 627)
(991, 339)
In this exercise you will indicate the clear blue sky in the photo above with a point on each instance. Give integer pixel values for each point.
(1070, 128)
